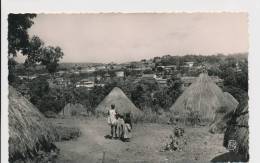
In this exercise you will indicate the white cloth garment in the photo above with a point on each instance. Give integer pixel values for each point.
(112, 117)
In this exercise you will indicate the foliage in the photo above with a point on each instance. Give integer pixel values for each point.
(50, 57)
(11, 67)
(44, 98)
(233, 76)
(33, 48)
(18, 38)
(167, 96)
(238, 93)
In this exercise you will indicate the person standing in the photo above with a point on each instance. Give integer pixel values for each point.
(127, 127)
(120, 126)
(112, 121)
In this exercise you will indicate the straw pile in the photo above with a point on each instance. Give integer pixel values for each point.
(73, 109)
(29, 131)
(238, 130)
(121, 102)
(201, 101)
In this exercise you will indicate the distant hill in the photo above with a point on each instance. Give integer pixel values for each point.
(70, 65)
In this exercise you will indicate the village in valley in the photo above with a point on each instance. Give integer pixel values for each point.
(184, 108)
(155, 70)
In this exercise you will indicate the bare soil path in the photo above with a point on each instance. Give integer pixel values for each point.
(145, 145)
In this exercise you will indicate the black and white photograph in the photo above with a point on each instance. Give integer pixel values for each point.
(128, 87)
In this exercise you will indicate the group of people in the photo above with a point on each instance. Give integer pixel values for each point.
(121, 125)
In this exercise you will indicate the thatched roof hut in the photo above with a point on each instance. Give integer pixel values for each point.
(201, 101)
(238, 130)
(121, 102)
(223, 115)
(29, 131)
(73, 109)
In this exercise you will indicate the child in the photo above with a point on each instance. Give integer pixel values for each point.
(112, 121)
(120, 126)
(127, 127)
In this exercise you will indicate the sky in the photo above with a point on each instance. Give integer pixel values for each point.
(131, 37)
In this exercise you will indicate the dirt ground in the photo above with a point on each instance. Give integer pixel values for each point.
(145, 145)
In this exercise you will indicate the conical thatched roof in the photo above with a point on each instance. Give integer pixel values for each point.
(223, 115)
(121, 102)
(232, 100)
(29, 131)
(238, 130)
(202, 99)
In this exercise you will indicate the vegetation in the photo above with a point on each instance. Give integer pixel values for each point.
(33, 47)
(146, 95)
(44, 98)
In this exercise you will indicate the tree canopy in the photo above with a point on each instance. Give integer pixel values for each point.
(18, 37)
(33, 47)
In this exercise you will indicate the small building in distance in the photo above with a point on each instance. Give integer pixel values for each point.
(85, 83)
(59, 82)
(107, 76)
(149, 78)
(161, 82)
(88, 69)
(189, 64)
(101, 67)
(120, 74)
(62, 82)
(170, 67)
(27, 77)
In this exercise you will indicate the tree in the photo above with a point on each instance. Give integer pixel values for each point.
(50, 58)
(162, 99)
(232, 76)
(18, 38)
(34, 50)
(38, 88)
(46, 99)
(20, 42)
(174, 88)
(137, 95)
(11, 67)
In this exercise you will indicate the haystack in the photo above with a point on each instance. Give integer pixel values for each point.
(29, 132)
(202, 100)
(121, 102)
(73, 109)
(238, 130)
